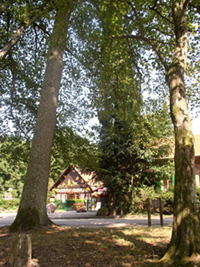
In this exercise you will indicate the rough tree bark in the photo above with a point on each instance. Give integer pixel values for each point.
(32, 210)
(185, 240)
(184, 247)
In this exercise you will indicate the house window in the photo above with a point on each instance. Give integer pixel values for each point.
(77, 196)
(63, 196)
(58, 196)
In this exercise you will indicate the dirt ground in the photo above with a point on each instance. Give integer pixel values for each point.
(86, 247)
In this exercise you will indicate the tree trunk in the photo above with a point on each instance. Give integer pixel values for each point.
(20, 251)
(185, 241)
(32, 210)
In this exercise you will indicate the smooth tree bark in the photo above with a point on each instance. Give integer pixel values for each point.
(32, 210)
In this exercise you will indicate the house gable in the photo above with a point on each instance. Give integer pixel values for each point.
(71, 180)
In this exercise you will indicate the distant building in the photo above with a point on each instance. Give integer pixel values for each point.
(74, 184)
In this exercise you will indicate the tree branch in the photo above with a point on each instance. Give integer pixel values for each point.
(152, 43)
(139, 37)
(154, 9)
(16, 36)
(185, 5)
(41, 28)
(3, 7)
(160, 55)
(137, 18)
(154, 5)
(138, 70)
(30, 19)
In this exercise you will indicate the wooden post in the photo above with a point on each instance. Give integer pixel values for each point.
(161, 213)
(20, 251)
(149, 212)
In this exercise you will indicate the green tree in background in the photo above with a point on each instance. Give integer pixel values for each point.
(129, 130)
(71, 148)
(14, 161)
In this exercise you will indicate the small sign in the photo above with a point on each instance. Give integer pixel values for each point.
(8, 195)
(154, 203)
(98, 205)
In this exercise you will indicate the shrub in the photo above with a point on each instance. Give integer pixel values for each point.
(144, 192)
(103, 212)
(61, 206)
(198, 195)
(167, 201)
(9, 204)
(140, 196)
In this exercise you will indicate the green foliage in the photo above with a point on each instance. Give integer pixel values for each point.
(132, 152)
(23, 68)
(103, 211)
(141, 195)
(70, 148)
(13, 164)
(134, 133)
(167, 201)
(6, 204)
(198, 195)
(61, 206)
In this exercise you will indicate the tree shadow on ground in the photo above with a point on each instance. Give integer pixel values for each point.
(97, 247)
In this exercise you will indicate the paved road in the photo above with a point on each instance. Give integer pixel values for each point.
(89, 219)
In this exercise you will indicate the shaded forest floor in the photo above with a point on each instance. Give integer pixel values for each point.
(61, 246)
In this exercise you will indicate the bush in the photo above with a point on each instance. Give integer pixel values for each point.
(140, 196)
(62, 206)
(167, 201)
(144, 192)
(103, 212)
(198, 195)
(9, 204)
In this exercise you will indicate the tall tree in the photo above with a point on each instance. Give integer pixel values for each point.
(185, 236)
(32, 210)
(162, 29)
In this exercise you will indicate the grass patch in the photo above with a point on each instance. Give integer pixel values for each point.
(97, 247)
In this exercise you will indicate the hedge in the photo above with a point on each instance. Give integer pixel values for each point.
(60, 205)
(13, 204)
(143, 193)
(9, 204)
